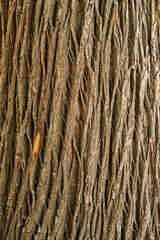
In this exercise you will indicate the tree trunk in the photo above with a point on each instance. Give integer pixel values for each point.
(79, 120)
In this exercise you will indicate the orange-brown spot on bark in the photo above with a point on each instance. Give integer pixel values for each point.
(36, 145)
(44, 71)
(151, 142)
(157, 87)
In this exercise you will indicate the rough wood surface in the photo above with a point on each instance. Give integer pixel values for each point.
(79, 119)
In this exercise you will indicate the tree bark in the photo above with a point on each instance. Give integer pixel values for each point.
(79, 119)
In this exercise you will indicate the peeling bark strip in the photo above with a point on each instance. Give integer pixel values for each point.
(79, 119)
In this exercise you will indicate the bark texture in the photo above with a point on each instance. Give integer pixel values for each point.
(79, 120)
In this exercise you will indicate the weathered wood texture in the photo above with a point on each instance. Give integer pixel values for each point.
(79, 119)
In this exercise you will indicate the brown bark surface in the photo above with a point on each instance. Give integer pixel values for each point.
(79, 120)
